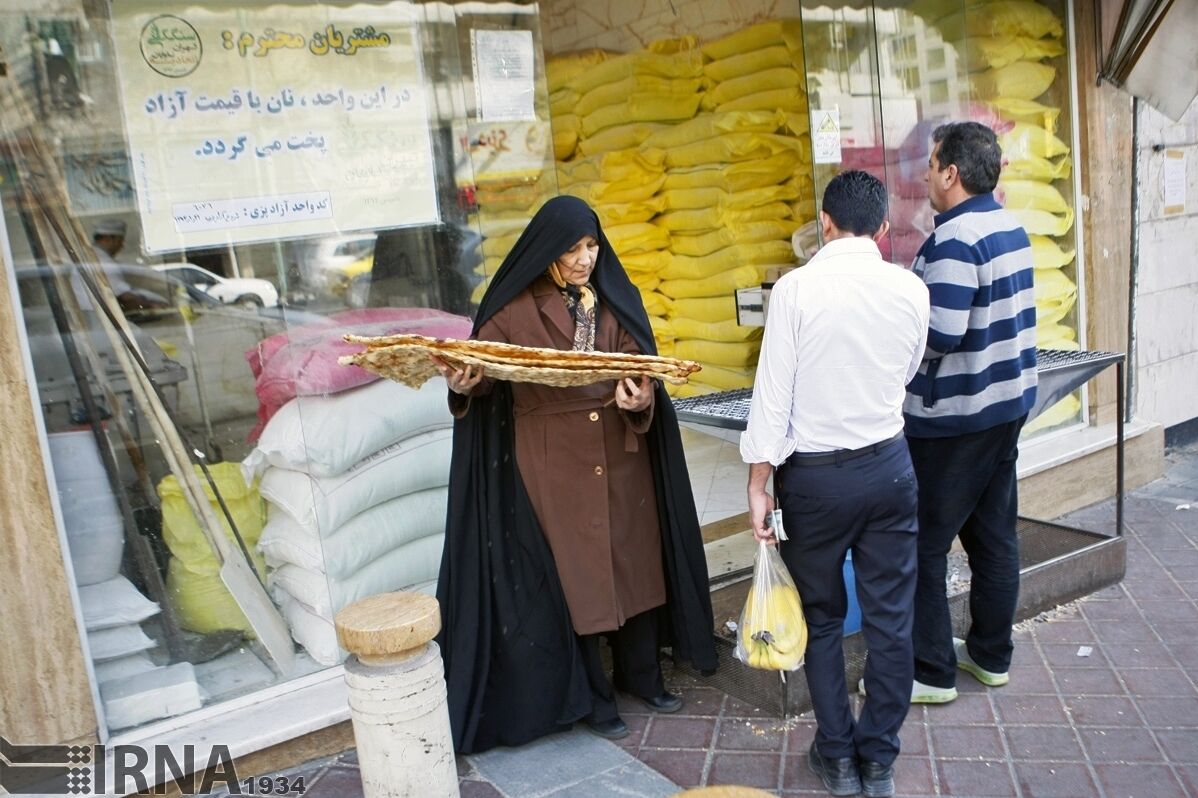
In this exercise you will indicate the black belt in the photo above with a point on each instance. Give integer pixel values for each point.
(840, 455)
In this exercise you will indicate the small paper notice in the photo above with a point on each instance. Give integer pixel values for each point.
(1084, 651)
(825, 135)
(503, 74)
(1173, 182)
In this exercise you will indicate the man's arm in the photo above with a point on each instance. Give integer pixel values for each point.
(951, 275)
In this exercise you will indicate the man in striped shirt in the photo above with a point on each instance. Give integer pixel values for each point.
(965, 407)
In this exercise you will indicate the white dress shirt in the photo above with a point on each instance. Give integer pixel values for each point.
(844, 335)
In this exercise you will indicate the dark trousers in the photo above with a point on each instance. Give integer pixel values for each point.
(635, 664)
(967, 489)
(866, 504)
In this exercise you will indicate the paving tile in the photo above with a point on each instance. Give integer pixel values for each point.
(966, 709)
(1186, 654)
(701, 701)
(1169, 712)
(1157, 682)
(337, 782)
(1166, 612)
(1088, 681)
(913, 776)
(913, 739)
(736, 734)
(746, 770)
(1064, 655)
(975, 778)
(548, 763)
(1043, 743)
(1189, 778)
(349, 757)
(1121, 609)
(1102, 711)
(1120, 745)
(1138, 655)
(667, 731)
(1139, 781)
(632, 780)
(797, 775)
(960, 742)
(1181, 745)
(684, 768)
(1054, 780)
(1122, 631)
(637, 724)
(1064, 631)
(736, 708)
(1032, 680)
(1016, 708)
(478, 789)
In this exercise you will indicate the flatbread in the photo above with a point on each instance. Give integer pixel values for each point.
(406, 359)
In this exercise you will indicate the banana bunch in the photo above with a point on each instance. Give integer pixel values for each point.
(773, 632)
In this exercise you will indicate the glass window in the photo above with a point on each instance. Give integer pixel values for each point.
(256, 181)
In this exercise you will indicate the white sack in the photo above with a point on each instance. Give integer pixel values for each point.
(115, 602)
(120, 641)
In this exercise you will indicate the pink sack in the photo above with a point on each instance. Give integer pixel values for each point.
(303, 361)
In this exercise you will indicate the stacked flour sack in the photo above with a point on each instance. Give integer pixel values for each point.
(1015, 52)
(505, 204)
(696, 183)
(354, 478)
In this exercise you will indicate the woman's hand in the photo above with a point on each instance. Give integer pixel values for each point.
(631, 397)
(459, 381)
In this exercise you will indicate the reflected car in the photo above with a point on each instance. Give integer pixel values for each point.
(247, 292)
(331, 264)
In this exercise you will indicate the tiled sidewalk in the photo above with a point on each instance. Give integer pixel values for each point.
(1117, 721)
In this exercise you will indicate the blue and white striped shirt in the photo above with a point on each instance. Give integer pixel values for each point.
(979, 369)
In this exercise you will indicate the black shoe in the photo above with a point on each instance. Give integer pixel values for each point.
(877, 780)
(614, 729)
(840, 776)
(666, 702)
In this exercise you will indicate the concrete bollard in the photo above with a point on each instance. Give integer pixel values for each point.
(397, 696)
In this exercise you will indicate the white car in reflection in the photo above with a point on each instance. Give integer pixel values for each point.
(247, 292)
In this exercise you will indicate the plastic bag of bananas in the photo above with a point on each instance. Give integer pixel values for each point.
(772, 634)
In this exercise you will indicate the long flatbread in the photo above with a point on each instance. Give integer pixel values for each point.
(405, 358)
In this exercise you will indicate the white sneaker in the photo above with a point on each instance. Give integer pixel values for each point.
(923, 693)
(966, 663)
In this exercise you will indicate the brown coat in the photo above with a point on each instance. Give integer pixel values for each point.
(586, 469)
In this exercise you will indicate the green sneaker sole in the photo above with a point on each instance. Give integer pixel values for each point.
(939, 697)
(988, 678)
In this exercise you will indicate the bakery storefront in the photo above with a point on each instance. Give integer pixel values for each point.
(195, 486)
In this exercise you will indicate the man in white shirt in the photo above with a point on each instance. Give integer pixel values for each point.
(108, 239)
(845, 334)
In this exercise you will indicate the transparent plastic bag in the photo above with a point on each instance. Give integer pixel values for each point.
(772, 634)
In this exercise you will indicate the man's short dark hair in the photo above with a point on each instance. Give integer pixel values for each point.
(973, 149)
(856, 201)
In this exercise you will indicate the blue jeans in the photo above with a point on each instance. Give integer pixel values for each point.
(866, 504)
(967, 489)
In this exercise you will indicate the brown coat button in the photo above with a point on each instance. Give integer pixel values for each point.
(594, 416)
(598, 471)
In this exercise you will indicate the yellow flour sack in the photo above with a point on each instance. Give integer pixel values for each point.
(705, 126)
(201, 600)
(562, 102)
(657, 304)
(678, 45)
(788, 32)
(1001, 18)
(663, 331)
(1032, 168)
(1056, 336)
(708, 309)
(799, 124)
(748, 63)
(645, 281)
(719, 353)
(180, 529)
(686, 267)
(1031, 194)
(1060, 413)
(728, 331)
(716, 285)
(1046, 253)
(790, 99)
(683, 64)
(637, 85)
(689, 198)
(628, 212)
(500, 246)
(633, 164)
(730, 148)
(641, 108)
(1029, 111)
(620, 137)
(689, 389)
(742, 176)
(559, 70)
(1029, 141)
(704, 219)
(1043, 223)
(629, 239)
(747, 233)
(565, 142)
(618, 191)
(1055, 295)
(1022, 80)
(992, 52)
(766, 80)
(646, 262)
